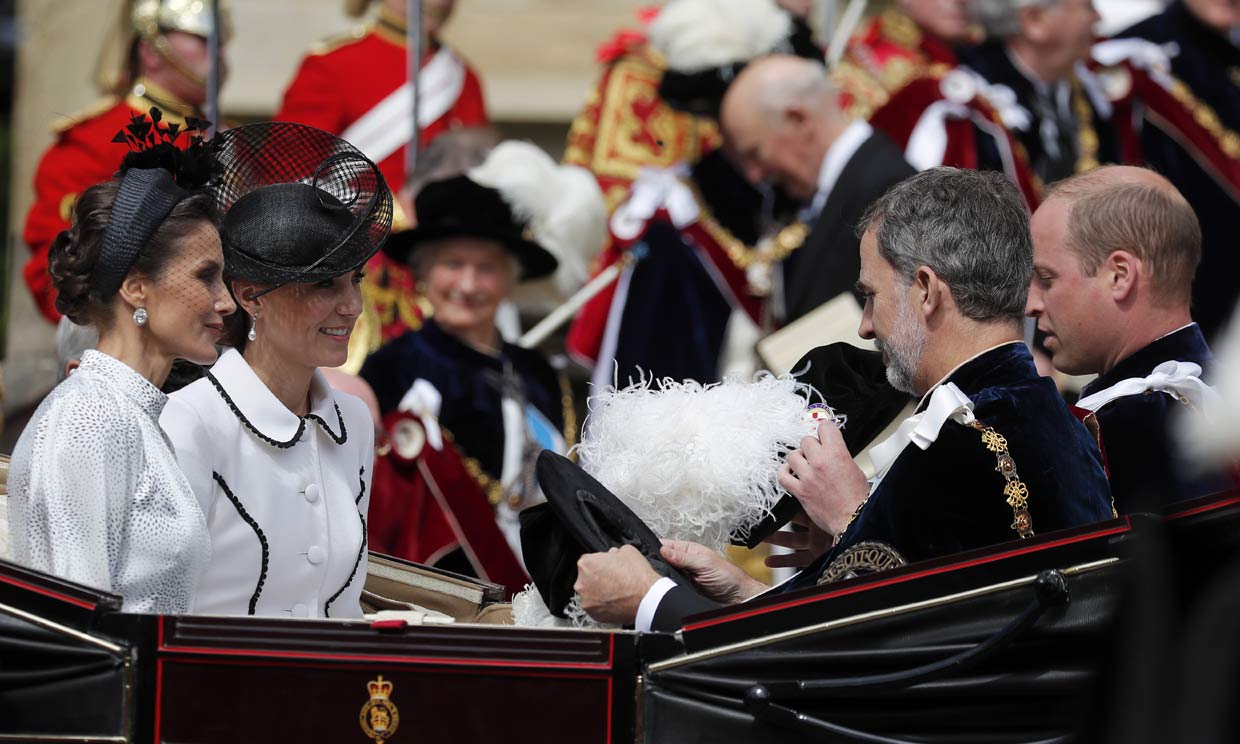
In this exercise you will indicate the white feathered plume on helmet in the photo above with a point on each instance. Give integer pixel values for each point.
(563, 206)
(696, 35)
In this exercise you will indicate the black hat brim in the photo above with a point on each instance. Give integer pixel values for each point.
(536, 262)
(580, 516)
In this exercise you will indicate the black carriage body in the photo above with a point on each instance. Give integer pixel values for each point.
(1000, 645)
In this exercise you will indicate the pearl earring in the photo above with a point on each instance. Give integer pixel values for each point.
(253, 334)
(140, 317)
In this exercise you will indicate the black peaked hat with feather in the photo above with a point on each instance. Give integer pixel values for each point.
(706, 43)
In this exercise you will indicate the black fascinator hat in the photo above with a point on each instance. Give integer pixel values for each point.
(459, 206)
(580, 516)
(154, 177)
(298, 204)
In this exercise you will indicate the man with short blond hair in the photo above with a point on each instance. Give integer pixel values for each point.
(1115, 251)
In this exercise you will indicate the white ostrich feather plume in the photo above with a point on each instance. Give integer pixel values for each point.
(529, 611)
(520, 172)
(695, 35)
(562, 205)
(696, 462)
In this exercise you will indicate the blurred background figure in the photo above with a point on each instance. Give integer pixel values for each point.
(165, 64)
(1177, 76)
(1037, 49)
(902, 72)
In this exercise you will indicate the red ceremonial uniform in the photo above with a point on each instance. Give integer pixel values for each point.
(902, 79)
(82, 156)
(345, 78)
(340, 82)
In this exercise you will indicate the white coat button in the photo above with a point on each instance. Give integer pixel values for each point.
(315, 555)
(311, 493)
(300, 610)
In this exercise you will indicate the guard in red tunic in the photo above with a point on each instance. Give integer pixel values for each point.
(168, 54)
(356, 85)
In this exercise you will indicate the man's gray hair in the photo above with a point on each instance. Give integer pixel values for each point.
(970, 227)
(71, 341)
(999, 19)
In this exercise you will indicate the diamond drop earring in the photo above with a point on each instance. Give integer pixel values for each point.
(253, 334)
(140, 317)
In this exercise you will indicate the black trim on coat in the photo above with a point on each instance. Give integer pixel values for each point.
(301, 427)
(361, 478)
(258, 532)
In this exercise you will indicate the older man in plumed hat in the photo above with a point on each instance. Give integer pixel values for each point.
(992, 454)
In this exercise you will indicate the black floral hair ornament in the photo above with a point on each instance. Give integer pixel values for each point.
(155, 176)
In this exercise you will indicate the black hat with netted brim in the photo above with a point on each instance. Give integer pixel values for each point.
(298, 204)
(461, 207)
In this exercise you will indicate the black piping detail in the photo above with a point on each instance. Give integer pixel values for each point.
(361, 476)
(301, 428)
(262, 539)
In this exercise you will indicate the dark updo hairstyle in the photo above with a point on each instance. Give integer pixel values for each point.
(74, 256)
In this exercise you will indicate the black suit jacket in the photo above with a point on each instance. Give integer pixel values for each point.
(829, 261)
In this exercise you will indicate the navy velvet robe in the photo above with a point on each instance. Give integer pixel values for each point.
(1142, 457)
(468, 381)
(949, 497)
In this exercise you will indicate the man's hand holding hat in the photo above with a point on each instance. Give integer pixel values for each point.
(612, 584)
(824, 478)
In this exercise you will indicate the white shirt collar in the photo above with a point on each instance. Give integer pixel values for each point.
(263, 413)
(838, 154)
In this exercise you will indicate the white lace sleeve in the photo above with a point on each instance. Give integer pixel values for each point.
(77, 461)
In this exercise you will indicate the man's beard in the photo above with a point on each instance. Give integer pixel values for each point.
(903, 350)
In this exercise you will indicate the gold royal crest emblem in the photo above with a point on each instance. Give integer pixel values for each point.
(379, 717)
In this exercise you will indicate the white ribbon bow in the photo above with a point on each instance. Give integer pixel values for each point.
(1144, 55)
(655, 188)
(423, 400)
(947, 402)
(1179, 379)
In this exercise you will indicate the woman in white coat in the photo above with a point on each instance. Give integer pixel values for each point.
(279, 461)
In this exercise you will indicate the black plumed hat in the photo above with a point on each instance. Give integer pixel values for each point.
(701, 92)
(580, 516)
(459, 206)
(298, 204)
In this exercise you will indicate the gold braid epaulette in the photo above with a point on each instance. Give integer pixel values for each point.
(1016, 491)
